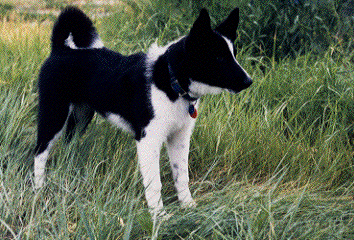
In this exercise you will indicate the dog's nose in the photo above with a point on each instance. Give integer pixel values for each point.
(248, 82)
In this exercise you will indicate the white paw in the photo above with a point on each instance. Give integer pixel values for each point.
(189, 204)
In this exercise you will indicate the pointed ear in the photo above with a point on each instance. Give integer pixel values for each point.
(229, 26)
(202, 24)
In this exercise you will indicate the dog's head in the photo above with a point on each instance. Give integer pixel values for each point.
(211, 56)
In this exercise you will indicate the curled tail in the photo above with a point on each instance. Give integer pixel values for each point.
(73, 29)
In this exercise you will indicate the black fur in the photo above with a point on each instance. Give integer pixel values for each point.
(73, 21)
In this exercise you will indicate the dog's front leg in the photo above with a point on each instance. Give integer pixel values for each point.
(178, 151)
(149, 162)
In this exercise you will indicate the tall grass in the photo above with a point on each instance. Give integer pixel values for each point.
(275, 161)
(270, 28)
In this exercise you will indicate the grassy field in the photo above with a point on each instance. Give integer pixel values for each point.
(273, 162)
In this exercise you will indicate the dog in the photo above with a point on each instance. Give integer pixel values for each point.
(152, 95)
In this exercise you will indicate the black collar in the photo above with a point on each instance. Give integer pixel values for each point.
(178, 88)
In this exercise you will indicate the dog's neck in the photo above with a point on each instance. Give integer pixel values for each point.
(175, 85)
(170, 72)
(171, 76)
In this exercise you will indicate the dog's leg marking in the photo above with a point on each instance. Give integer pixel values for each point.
(178, 150)
(39, 168)
(40, 162)
(148, 150)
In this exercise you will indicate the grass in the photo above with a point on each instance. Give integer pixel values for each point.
(275, 161)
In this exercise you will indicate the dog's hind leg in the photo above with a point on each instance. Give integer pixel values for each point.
(79, 118)
(178, 151)
(52, 118)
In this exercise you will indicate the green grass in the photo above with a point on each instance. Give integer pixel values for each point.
(273, 162)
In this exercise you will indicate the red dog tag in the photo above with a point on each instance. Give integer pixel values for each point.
(192, 111)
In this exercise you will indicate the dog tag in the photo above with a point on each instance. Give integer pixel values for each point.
(192, 111)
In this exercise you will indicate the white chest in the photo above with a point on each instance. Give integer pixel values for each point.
(169, 117)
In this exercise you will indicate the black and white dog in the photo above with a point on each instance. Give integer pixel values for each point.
(154, 96)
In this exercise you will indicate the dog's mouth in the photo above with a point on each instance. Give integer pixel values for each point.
(245, 84)
(198, 89)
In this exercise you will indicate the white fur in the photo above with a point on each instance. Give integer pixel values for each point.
(39, 168)
(40, 162)
(70, 42)
(154, 53)
(199, 89)
(119, 122)
(97, 43)
(231, 47)
(171, 118)
(178, 151)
